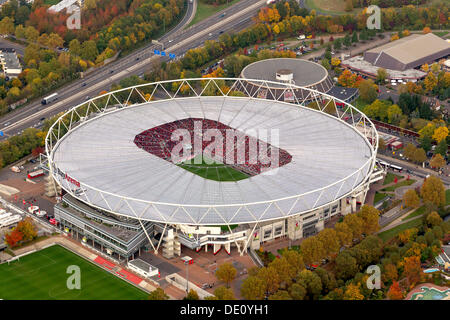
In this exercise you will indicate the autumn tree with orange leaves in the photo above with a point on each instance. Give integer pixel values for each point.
(395, 292)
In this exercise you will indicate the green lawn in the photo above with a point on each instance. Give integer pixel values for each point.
(215, 171)
(391, 233)
(440, 33)
(379, 196)
(418, 212)
(447, 197)
(42, 276)
(205, 10)
(399, 184)
(390, 177)
(51, 2)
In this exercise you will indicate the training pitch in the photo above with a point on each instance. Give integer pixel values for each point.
(42, 276)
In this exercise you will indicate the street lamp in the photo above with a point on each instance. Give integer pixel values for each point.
(187, 276)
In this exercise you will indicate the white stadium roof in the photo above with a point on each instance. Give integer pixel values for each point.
(330, 158)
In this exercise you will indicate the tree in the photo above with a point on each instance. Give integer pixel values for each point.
(329, 240)
(433, 191)
(297, 291)
(270, 278)
(381, 144)
(381, 75)
(286, 272)
(295, 261)
(409, 151)
(280, 295)
(437, 161)
(442, 148)
(312, 250)
(343, 233)
(89, 50)
(355, 223)
(346, 266)
(430, 82)
(390, 273)
(419, 155)
(327, 278)
(337, 44)
(192, 295)
(27, 228)
(252, 288)
(395, 293)
(440, 134)
(370, 217)
(411, 199)
(347, 40)
(434, 219)
(355, 37)
(223, 293)
(311, 282)
(347, 79)
(13, 237)
(412, 269)
(226, 272)
(158, 294)
(352, 293)
(426, 30)
(7, 26)
(368, 91)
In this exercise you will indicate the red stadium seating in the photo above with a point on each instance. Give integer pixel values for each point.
(158, 142)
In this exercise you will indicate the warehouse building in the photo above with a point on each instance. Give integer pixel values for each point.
(409, 52)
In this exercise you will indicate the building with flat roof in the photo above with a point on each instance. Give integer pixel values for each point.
(409, 52)
(10, 62)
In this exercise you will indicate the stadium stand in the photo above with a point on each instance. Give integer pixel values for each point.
(158, 141)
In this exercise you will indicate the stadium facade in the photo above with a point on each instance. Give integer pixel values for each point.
(124, 192)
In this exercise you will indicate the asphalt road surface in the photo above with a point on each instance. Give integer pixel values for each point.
(177, 41)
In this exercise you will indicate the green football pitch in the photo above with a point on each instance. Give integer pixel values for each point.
(214, 171)
(42, 276)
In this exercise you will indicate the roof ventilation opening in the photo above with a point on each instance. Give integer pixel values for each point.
(285, 76)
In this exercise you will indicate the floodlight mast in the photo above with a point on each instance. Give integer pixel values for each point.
(195, 88)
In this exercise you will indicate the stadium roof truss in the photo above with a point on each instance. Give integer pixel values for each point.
(223, 214)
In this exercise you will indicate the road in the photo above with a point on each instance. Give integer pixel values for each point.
(417, 170)
(176, 41)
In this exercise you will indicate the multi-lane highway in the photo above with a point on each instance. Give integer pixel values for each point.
(176, 41)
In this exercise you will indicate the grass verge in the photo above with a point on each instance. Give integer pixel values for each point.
(391, 233)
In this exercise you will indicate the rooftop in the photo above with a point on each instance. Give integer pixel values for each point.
(306, 73)
(327, 156)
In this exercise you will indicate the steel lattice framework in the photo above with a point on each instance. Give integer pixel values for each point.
(210, 214)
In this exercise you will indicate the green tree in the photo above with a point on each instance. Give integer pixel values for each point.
(433, 219)
(226, 272)
(311, 282)
(158, 294)
(223, 293)
(252, 288)
(433, 191)
(370, 217)
(346, 266)
(7, 26)
(312, 250)
(381, 75)
(270, 278)
(297, 291)
(411, 199)
(192, 295)
(330, 241)
(367, 91)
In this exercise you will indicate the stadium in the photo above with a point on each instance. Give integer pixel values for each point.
(126, 185)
